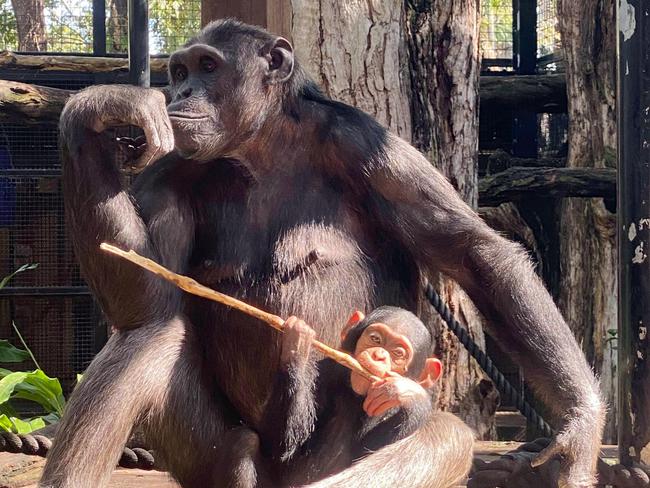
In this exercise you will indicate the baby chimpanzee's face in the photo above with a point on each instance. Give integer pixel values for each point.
(379, 350)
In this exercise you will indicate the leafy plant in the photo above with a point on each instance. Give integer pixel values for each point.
(34, 386)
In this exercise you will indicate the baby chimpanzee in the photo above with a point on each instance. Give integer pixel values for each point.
(320, 416)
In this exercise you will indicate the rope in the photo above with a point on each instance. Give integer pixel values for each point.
(484, 361)
(38, 445)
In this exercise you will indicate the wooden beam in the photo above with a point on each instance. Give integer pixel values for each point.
(518, 183)
(539, 93)
(77, 64)
(31, 103)
(543, 93)
(501, 160)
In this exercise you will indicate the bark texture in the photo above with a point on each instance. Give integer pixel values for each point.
(356, 51)
(443, 42)
(118, 29)
(588, 231)
(414, 66)
(30, 23)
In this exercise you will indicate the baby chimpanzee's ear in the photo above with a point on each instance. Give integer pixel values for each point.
(430, 373)
(356, 317)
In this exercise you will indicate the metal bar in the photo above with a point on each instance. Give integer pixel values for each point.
(633, 210)
(139, 70)
(524, 36)
(30, 172)
(99, 27)
(524, 52)
(44, 291)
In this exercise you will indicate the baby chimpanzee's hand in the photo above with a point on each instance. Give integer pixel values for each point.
(391, 392)
(296, 341)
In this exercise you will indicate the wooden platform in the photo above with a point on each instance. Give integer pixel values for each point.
(20, 471)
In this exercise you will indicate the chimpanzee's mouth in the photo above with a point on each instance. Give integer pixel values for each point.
(186, 115)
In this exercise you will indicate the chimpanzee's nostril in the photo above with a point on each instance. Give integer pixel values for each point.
(186, 92)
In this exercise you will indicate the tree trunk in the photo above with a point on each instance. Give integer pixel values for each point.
(587, 242)
(358, 51)
(443, 41)
(354, 51)
(118, 29)
(30, 21)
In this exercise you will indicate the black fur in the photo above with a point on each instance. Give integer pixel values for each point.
(262, 175)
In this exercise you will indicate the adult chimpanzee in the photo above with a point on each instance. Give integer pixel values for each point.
(317, 421)
(298, 204)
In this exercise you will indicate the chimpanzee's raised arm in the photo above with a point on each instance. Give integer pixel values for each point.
(99, 208)
(417, 205)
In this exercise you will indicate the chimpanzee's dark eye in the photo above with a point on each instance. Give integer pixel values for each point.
(180, 73)
(208, 65)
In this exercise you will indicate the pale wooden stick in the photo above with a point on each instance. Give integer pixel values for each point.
(192, 286)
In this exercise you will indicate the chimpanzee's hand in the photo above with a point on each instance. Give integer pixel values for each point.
(513, 470)
(391, 392)
(100, 107)
(296, 341)
(577, 446)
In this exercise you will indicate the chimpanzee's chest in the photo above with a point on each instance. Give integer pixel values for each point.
(285, 233)
(297, 244)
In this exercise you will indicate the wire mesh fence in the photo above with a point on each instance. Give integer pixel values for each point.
(496, 29)
(50, 304)
(66, 26)
(548, 35)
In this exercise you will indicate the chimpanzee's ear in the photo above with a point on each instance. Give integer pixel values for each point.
(430, 373)
(356, 317)
(279, 55)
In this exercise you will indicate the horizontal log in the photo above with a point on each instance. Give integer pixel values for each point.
(537, 93)
(541, 93)
(518, 183)
(78, 64)
(31, 103)
(501, 160)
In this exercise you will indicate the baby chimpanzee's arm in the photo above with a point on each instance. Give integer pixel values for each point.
(396, 407)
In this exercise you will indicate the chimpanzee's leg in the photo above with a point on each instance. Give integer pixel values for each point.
(438, 455)
(145, 375)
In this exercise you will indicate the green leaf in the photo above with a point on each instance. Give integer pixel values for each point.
(8, 410)
(40, 388)
(4, 372)
(6, 424)
(51, 418)
(8, 385)
(26, 426)
(23, 268)
(11, 354)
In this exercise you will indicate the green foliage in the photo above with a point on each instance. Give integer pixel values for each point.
(11, 354)
(33, 386)
(8, 28)
(172, 23)
(69, 25)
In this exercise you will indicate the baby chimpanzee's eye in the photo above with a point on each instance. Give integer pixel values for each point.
(375, 338)
(399, 354)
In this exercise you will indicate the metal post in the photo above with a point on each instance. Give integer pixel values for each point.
(99, 27)
(139, 73)
(524, 61)
(634, 230)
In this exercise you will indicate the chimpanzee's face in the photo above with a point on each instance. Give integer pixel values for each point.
(379, 350)
(220, 92)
